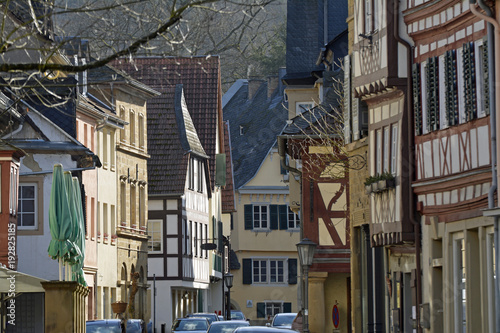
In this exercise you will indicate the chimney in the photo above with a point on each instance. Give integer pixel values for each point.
(272, 84)
(253, 85)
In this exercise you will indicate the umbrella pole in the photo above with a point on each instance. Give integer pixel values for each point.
(60, 269)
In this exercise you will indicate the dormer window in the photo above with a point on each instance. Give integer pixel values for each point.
(303, 107)
(241, 130)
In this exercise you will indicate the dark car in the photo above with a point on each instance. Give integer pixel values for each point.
(114, 326)
(191, 324)
(227, 326)
(210, 316)
(261, 329)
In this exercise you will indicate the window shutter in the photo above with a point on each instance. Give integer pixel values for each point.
(451, 96)
(417, 102)
(287, 307)
(468, 58)
(432, 78)
(248, 217)
(273, 216)
(347, 99)
(292, 271)
(220, 237)
(247, 271)
(486, 77)
(261, 310)
(283, 214)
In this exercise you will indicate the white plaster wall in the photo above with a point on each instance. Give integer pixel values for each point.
(32, 250)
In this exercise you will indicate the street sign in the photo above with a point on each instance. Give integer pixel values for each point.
(335, 316)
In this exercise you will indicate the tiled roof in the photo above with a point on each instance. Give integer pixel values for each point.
(167, 166)
(200, 77)
(228, 204)
(254, 125)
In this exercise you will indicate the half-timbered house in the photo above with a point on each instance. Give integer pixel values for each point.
(450, 77)
(377, 112)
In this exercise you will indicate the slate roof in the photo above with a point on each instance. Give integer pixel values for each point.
(228, 203)
(200, 77)
(261, 120)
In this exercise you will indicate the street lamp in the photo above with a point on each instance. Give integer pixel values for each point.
(306, 249)
(228, 279)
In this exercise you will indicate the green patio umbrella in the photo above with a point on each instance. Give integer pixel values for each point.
(79, 275)
(60, 246)
(75, 253)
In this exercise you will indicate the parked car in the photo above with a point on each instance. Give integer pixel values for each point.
(210, 316)
(227, 326)
(283, 320)
(262, 329)
(114, 326)
(190, 324)
(237, 315)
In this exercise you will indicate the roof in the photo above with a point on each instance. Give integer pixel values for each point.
(228, 202)
(200, 77)
(254, 125)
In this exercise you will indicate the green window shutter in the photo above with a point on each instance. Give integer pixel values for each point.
(220, 170)
(432, 84)
(248, 217)
(417, 102)
(273, 215)
(214, 228)
(220, 238)
(451, 96)
(292, 271)
(261, 310)
(486, 77)
(287, 307)
(468, 58)
(283, 214)
(247, 271)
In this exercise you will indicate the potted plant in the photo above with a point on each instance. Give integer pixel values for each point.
(113, 238)
(386, 181)
(371, 184)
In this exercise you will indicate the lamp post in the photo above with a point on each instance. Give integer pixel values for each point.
(306, 249)
(228, 279)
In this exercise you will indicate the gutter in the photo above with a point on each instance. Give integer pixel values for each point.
(410, 140)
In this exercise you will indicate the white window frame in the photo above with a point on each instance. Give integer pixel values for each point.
(394, 148)
(152, 226)
(301, 107)
(294, 218)
(265, 272)
(276, 305)
(35, 212)
(258, 222)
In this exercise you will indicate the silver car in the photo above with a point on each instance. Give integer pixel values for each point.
(283, 320)
(191, 325)
(227, 326)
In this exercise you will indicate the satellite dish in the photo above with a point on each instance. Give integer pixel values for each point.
(208, 246)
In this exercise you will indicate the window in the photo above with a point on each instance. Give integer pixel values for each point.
(260, 217)
(155, 236)
(105, 149)
(141, 132)
(301, 107)
(386, 149)
(191, 174)
(132, 128)
(123, 138)
(268, 271)
(195, 239)
(460, 301)
(273, 308)
(28, 206)
(200, 176)
(368, 16)
(293, 220)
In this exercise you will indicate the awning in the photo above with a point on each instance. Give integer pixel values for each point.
(23, 283)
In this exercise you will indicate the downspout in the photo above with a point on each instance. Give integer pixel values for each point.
(410, 133)
(493, 34)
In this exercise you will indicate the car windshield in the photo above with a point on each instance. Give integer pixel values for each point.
(285, 320)
(237, 316)
(190, 325)
(103, 327)
(210, 317)
(225, 327)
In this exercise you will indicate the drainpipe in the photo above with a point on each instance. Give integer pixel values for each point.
(493, 41)
(410, 133)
